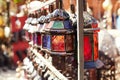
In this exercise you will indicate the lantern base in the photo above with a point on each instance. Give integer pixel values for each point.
(58, 53)
(93, 64)
(89, 65)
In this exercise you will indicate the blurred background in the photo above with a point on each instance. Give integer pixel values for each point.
(13, 47)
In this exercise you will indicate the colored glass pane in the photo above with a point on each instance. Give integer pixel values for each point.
(58, 43)
(49, 25)
(95, 46)
(46, 42)
(38, 39)
(26, 34)
(69, 43)
(58, 25)
(87, 48)
(67, 24)
(34, 38)
(30, 36)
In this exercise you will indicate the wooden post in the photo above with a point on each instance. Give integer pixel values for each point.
(80, 42)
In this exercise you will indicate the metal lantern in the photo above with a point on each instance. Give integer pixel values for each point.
(33, 28)
(90, 40)
(28, 35)
(38, 29)
(58, 34)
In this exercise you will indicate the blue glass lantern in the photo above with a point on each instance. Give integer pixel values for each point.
(58, 35)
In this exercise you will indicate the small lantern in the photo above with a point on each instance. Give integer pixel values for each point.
(90, 40)
(58, 35)
(38, 29)
(33, 28)
(28, 35)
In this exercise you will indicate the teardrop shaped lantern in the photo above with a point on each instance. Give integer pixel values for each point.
(58, 37)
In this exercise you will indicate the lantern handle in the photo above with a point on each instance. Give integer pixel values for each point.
(72, 7)
(57, 4)
(51, 8)
(60, 4)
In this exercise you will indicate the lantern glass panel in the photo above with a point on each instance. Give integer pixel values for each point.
(95, 46)
(30, 36)
(69, 43)
(46, 42)
(27, 34)
(58, 25)
(67, 24)
(38, 39)
(87, 48)
(49, 25)
(58, 43)
(34, 38)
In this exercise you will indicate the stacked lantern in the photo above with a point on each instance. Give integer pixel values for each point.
(32, 29)
(40, 20)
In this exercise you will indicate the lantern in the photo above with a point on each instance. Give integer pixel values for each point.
(33, 28)
(28, 35)
(58, 34)
(38, 29)
(90, 40)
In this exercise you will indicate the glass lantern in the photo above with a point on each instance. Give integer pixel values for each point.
(28, 35)
(38, 29)
(58, 36)
(90, 40)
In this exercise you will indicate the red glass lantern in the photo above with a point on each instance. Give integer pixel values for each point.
(90, 40)
(90, 46)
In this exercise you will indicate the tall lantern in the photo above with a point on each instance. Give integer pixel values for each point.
(28, 35)
(58, 37)
(90, 40)
(38, 33)
(32, 28)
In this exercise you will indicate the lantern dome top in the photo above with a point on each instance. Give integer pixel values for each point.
(60, 13)
(88, 19)
(34, 21)
(41, 19)
(48, 17)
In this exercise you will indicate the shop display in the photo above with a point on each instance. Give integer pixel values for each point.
(53, 44)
